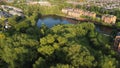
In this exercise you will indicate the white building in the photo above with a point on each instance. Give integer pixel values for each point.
(12, 10)
(42, 3)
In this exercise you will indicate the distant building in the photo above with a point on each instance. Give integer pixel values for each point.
(6, 7)
(4, 14)
(7, 0)
(111, 19)
(78, 12)
(66, 10)
(117, 42)
(15, 13)
(42, 3)
(12, 10)
(89, 14)
(74, 14)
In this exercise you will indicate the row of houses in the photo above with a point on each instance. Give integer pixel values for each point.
(106, 4)
(110, 19)
(111, 4)
(77, 13)
(42, 3)
(12, 10)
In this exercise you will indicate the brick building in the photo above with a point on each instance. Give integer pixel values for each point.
(78, 12)
(111, 19)
(74, 14)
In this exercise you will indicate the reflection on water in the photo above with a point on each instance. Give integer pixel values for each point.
(50, 21)
(103, 29)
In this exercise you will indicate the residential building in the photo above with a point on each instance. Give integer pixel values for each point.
(78, 12)
(42, 3)
(74, 14)
(66, 10)
(90, 14)
(106, 4)
(111, 19)
(12, 10)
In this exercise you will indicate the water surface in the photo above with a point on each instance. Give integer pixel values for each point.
(50, 21)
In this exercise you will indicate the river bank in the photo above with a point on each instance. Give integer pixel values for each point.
(55, 19)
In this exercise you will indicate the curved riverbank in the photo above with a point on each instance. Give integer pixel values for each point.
(99, 27)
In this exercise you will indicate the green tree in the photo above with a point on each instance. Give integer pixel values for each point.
(108, 62)
(40, 63)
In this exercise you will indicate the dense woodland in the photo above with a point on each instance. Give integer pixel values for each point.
(63, 46)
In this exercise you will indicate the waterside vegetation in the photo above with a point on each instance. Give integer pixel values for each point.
(63, 46)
